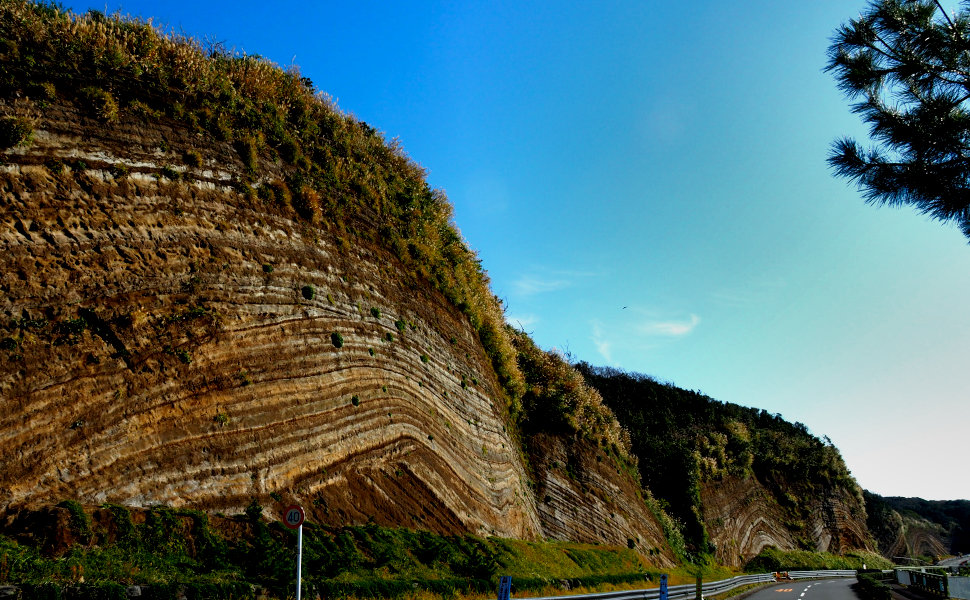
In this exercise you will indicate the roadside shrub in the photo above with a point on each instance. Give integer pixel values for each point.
(100, 103)
(80, 521)
(870, 587)
(15, 131)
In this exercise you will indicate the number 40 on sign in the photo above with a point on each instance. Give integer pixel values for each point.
(293, 517)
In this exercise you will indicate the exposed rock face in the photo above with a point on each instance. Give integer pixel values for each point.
(582, 498)
(743, 517)
(179, 342)
(909, 534)
(837, 522)
(916, 537)
(914, 527)
(167, 343)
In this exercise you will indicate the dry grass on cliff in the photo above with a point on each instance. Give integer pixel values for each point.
(335, 171)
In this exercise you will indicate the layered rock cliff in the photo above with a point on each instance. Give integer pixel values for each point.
(914, 527)
(216, 288)
(167, 343)
(176, 328)
(743, 517)
(740, 479)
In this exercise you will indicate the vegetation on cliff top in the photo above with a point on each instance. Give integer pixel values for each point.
(558, 401)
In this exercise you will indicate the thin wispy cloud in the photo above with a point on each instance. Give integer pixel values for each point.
(603, 346)
(530, 285)
(669, 328)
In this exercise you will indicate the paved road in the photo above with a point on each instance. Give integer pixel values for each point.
(952, 562)
(817, 589)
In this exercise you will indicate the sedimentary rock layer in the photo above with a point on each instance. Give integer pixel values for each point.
(175, 342)
(166, 336)
(743, 517)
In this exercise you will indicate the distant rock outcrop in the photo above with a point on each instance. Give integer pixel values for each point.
(913, 527)
(743, 518)
(740, 479)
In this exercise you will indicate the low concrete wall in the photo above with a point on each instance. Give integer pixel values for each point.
(960, 587)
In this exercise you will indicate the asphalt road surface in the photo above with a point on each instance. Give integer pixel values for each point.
(952, 562)
(808, 589)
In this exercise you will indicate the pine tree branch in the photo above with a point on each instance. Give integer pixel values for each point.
(945, 16)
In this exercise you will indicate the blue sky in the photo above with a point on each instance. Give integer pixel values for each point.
(645, 183)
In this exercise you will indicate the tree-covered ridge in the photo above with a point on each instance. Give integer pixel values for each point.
(683, 438)
(333, 171)
(953, 516)
(558, 400)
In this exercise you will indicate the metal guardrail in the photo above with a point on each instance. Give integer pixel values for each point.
(679, 592)
(816, 574)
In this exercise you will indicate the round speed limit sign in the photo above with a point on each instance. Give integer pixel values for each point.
(294, 516)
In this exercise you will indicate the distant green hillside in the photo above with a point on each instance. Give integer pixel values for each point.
(683, 438)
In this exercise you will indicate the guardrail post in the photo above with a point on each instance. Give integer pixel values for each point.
(505, 588)
(699, 588)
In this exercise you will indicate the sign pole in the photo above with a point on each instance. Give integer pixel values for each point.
(299, 559)
(293, 518)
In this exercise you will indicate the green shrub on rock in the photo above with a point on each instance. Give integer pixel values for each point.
(100, 103)
(15, 131)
